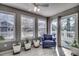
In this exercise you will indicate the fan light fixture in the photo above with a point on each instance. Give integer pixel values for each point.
(37, 5)
(36, 9)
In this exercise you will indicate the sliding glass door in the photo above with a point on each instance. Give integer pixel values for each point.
(68, 30)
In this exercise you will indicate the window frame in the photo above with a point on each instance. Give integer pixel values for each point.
(24, 15)
(14, 14)
(45, 20)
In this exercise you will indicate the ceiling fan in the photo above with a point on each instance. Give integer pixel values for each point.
(37, 5)
(41, 4)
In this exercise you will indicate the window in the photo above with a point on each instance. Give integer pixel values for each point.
(68, 30)
(54, 28)
(27, 27)
(42, 26)
(7, 21)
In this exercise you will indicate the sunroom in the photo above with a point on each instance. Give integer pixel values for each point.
(39, 29)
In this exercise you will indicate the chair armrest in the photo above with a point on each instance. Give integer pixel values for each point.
(54, 39)
(42, 38)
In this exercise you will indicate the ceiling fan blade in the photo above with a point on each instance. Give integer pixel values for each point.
(41, 4)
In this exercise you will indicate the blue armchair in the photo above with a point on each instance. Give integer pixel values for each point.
(48, 41)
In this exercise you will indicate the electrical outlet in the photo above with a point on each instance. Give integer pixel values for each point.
(5, 45)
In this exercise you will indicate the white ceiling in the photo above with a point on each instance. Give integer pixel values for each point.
(53, 8)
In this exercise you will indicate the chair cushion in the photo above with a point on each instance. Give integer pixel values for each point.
(48, 41)
(27, 46)
(47, 37)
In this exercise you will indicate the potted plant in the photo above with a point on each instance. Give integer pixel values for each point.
(75, 48)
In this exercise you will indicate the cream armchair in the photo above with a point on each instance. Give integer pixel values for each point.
(27, 45)
(16, 48)
(36, 43)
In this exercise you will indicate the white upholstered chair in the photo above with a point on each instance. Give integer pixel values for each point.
(36, 43)
(27, 45)
(16, 48)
